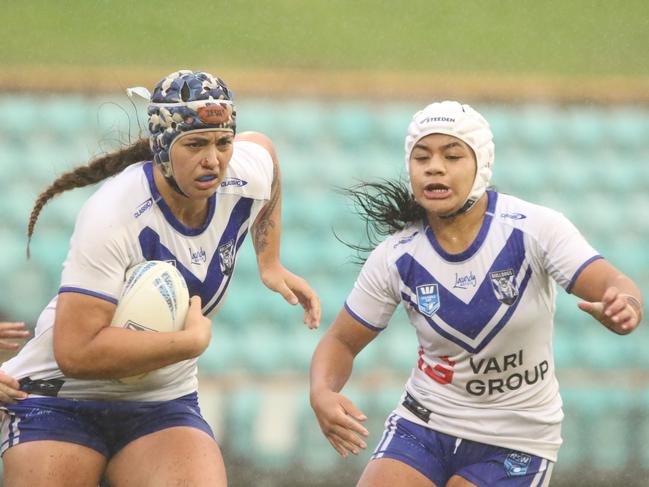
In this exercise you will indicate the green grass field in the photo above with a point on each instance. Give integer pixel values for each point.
(558, 38)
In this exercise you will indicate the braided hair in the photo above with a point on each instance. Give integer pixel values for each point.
(95, 171)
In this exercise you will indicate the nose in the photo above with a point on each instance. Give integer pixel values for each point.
(435, 165)
(211, 159)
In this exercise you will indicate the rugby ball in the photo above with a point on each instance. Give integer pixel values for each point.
(155, 298)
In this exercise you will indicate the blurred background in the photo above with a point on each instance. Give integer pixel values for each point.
(565, 86)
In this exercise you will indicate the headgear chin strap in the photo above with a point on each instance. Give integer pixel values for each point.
(463, 122)
(182, 102)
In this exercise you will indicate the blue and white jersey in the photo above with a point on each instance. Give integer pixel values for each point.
(484, 321)
(127, 222)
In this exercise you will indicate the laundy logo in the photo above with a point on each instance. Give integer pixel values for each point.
(517, 464)
(428, 299)
(504, 286)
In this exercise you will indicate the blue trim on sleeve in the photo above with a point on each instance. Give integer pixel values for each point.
(68, 289)
(361, 320)
(579, 271)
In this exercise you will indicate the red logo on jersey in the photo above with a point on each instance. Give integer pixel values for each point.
(439, 373)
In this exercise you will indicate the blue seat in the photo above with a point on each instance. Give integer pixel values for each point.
(21, 114)
(537, 126)
(392, 122)
(223, 353)
(502, 122)
(314, 453)
(242, 411)
(627, 130)
(353, 124)
(585, 129)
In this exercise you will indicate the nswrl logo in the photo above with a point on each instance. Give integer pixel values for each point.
(516, 464)
(428, 299)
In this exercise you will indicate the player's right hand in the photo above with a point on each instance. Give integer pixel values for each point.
(198, 325)
(12, 330)
(10, 389)
(340, 421)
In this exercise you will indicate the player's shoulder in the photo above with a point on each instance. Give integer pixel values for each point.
(120, 197)
(402, 241)
(527, 216)
(250, 171)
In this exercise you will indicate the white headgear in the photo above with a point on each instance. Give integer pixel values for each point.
(463, 122)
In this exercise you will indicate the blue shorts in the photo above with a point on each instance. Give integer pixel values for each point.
(439, 456)
(105, 426)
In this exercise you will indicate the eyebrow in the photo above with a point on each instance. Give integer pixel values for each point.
(453, 144)
(203, 138)
(420, 146)
(444, 147)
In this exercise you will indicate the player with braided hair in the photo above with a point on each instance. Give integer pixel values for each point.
(189, 194)
(474, 270)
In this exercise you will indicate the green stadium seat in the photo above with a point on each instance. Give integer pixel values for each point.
(222, 354)
(612, 429)
(242, 411)
(71, 115)
(537, 126)
(392, 123)
(585, 130)
(302, 120)
(502, 125)
(264, 350)
(399, 345)
(642, 427)
(314, 451)
(22, 114)
(353, 125)
(627, 130)
(259, 115)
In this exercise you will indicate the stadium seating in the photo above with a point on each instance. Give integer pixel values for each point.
(589, 162)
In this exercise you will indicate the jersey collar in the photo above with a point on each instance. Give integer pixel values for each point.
(168, 214)
(492, 197)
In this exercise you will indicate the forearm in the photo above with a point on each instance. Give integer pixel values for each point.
(114, 353)
(331, 365)
(626, 286)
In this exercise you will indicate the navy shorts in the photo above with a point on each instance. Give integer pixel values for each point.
(439, 456)
(105, 426)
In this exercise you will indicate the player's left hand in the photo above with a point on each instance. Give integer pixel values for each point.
(617, 311)
(294, 290)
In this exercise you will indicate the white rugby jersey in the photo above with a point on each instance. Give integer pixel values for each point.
(127, 222)
(484, 321)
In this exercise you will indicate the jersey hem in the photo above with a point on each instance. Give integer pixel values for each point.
(546, 453)
(79, 290)
(361, 320)
(579, 271)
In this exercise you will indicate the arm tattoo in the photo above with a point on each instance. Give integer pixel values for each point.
(264, 224)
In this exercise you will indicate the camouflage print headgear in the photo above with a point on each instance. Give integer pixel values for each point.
(182, 102)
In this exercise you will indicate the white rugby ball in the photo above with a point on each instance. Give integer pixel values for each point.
(155, 298)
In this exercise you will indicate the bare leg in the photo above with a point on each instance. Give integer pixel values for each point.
(457, 481)
(52, 464)
(173, 456)
(387, 472)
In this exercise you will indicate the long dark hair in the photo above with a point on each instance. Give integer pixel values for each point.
(385, 207)
(96, 170)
